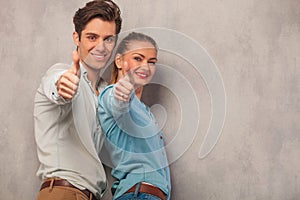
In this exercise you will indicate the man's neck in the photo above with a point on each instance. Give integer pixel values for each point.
(93, 77)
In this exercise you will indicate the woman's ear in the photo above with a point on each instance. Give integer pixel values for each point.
(76, 38)
(118, 61)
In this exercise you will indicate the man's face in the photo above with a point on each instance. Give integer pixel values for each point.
(96, 43)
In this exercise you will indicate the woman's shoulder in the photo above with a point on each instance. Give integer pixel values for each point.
(105, 90)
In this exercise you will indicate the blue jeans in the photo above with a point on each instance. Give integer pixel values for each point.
(139, 196)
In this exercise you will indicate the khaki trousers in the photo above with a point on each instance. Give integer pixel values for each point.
(61, 193)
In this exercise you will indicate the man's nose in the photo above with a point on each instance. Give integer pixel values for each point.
(100, 46)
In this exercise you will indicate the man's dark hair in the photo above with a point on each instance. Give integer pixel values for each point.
(106, 10)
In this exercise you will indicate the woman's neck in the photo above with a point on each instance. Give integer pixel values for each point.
(138, 92)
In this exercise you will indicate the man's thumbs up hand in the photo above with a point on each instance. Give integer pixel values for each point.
(76, 65)
(67, 84)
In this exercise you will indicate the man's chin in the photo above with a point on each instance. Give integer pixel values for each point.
(96, 65)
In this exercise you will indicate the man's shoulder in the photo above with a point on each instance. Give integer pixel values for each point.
(55, 69)
(59, 67)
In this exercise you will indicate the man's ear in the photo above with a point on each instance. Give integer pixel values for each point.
(76, 38)
(118, 61)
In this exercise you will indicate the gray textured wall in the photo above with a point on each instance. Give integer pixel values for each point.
(255, 45)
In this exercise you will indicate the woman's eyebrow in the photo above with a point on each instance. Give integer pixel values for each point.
(139, 54)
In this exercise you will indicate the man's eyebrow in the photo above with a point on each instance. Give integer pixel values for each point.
(93, 34)
(109, 36)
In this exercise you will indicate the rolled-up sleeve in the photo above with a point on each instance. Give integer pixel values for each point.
(49, 83)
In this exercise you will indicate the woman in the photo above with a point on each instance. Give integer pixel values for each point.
(133, 141)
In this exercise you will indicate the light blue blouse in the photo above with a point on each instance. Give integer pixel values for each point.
(134, 144)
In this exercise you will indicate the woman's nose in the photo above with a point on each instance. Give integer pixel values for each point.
(145, 65)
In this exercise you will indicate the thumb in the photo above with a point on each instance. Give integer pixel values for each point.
(126, 68)
(76, 65)
(127, 73)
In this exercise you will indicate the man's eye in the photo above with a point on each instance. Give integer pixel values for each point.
(91, 38)
(110, 39)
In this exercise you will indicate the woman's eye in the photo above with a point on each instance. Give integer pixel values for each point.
(152, 63)
(137, 58)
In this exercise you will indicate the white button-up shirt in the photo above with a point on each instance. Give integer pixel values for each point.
(68, 133)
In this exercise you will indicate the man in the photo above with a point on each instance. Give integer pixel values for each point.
(65, 109)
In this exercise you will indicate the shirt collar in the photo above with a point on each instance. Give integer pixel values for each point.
(101, 82)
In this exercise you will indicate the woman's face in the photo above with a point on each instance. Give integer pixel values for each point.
(141, 58)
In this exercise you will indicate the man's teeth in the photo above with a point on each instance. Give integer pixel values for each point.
(99, 56)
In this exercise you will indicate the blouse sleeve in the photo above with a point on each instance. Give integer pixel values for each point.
(132, 117)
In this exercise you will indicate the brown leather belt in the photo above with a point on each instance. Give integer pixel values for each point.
(64, 183)
(149, 189)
